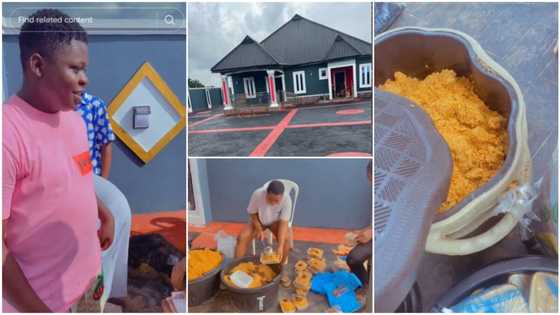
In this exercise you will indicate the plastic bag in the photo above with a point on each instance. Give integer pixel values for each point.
(543, 296)
(498, 299)
(547, 207)
(225, 243)
(385, 15)
(519, 202)
(524, 293)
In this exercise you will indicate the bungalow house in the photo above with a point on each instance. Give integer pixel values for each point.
(302, 61)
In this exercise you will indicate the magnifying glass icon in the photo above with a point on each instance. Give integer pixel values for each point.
(169, 19)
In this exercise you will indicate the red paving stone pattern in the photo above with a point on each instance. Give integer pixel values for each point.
(194, 124)
(345, 112)
(267, 143)
(262, 148)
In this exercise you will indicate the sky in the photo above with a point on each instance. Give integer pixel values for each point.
(214, 29)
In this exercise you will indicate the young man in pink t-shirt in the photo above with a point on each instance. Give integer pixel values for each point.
(51, 241)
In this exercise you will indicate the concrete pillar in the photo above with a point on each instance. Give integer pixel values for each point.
(225, 93)
(272, 88)
(208, 98)
(329, 80)
(354, 81)
(284, 86)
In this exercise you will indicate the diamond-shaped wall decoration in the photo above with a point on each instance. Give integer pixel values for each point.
(166, 118)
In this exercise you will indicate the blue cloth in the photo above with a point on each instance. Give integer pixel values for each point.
(339, 289)
(343, 298)
(99, 132)
(319, 280)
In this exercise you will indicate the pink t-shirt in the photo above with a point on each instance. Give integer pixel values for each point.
(48, 200)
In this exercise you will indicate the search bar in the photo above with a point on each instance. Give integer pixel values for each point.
(106, 19)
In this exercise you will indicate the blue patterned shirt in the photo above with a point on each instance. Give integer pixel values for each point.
(99, 131)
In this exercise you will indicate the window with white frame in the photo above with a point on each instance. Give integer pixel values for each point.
(365, 75)
(249, 87)
(299, 82)
(322, 73)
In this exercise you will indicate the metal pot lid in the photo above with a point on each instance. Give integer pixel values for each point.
(412, 175)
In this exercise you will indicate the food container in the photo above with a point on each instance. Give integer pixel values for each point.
(417, 52)
(252, 300)
(205, 287)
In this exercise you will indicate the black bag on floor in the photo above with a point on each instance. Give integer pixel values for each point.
(153, 250)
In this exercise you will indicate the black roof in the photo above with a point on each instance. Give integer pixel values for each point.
(341, 48)
(247, 54)
(298, 41)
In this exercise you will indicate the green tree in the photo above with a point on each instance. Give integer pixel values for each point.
(195, 84)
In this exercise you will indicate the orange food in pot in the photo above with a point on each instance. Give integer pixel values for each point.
(476, 135)
(202, 261)
(261, 274)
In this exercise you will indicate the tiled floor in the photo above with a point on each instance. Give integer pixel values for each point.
(326, 239)
(521, 38)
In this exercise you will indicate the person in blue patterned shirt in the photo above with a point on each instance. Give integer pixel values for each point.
(99, 132)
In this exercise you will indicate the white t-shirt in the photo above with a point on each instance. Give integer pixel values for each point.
(269, 214)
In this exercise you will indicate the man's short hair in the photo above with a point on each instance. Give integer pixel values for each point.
(47, 30)
(275, 187)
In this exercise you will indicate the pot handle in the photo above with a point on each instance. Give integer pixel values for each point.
(441, 244)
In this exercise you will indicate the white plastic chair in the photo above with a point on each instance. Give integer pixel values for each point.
(289, 186)
(115, 258)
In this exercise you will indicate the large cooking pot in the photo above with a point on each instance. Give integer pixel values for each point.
(254, 300)
(204, 288)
